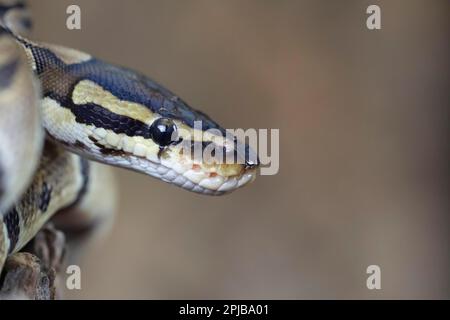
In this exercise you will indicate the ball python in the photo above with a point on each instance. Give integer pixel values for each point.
(63, 111)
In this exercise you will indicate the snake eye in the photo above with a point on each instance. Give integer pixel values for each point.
(163, 131)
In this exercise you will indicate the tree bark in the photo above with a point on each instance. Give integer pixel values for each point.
(33, 272)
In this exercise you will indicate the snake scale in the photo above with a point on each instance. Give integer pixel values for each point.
(63, 111)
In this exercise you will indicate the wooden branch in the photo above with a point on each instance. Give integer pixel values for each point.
(33, 272)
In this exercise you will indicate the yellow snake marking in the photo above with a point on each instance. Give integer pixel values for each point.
(61, 124)
(30, 58)
(58, 119)
(61, 170)
(87, 91)
(56, 113)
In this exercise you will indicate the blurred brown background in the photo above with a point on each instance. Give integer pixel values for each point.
(363, 123)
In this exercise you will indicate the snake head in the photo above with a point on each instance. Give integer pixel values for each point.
(121, 117)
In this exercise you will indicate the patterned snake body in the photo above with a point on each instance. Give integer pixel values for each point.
(100, 112)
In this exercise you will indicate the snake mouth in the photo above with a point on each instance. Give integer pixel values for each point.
(191, 178)
(200, 181)
(177, 166)
(174, 167)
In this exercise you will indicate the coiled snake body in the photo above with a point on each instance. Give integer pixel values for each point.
(60, 107)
